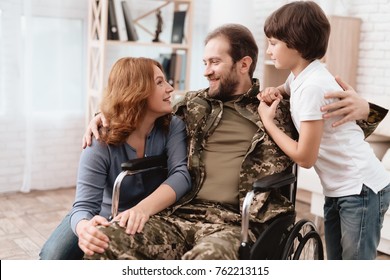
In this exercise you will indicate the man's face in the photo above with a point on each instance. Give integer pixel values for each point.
(220, 70)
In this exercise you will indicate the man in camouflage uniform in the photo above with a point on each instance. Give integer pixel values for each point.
(228, 150)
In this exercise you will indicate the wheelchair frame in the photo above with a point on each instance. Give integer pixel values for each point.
(132, 167)
(282, 238)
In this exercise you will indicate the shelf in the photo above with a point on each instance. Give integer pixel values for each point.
(148, 44)
(98, 44)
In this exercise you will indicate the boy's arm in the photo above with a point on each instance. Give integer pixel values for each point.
(269, 94)
(283, 91)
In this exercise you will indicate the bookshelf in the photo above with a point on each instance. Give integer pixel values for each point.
(341, 57)
(98, 44)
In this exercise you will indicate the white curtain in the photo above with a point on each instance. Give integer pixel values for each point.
(42, 92)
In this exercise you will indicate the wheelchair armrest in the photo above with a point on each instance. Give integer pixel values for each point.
(274, 181)
(145, 163)
(132, 167)
(267, 183)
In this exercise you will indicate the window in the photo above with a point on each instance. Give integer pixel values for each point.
(42, 92)
(2, 97)
(42, 59)
(57, 64)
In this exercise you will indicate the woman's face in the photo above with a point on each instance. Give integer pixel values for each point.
(159, 102)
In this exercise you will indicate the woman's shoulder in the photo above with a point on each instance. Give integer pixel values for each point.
(95, 154)
(176, 121)
(97, 147)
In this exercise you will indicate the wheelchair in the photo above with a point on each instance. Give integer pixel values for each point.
(282, 238)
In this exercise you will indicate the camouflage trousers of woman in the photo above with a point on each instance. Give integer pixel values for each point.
(201, 230)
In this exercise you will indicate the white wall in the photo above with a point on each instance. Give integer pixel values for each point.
(56, 154)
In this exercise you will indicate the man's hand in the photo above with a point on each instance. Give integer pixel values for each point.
(93, 129)
(92, 240)
(351, 105)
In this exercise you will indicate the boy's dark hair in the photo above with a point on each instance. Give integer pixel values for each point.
(242, 43)
(303, 26)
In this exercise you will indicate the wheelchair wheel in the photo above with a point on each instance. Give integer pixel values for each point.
(309, 247)
(303, 243)
(270, 243)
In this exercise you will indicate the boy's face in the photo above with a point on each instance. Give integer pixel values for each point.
(283, 57)
(219, 69)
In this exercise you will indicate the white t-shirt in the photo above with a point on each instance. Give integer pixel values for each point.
(345, 160)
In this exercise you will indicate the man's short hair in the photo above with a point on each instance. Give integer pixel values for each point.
(241, 40)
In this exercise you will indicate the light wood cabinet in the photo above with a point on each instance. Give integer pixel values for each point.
(341, 57)
(98, 43)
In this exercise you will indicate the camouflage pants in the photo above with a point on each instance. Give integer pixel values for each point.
(198, 231)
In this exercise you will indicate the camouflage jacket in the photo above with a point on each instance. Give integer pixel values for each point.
(376, 115)
(203, 114)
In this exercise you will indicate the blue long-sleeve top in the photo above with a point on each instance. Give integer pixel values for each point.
(100, 164)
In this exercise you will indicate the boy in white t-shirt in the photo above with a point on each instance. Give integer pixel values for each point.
(355, 183)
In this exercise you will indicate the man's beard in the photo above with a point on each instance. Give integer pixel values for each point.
(227, 87)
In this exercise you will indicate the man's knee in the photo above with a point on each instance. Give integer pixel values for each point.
(214, 249)
(152, 243)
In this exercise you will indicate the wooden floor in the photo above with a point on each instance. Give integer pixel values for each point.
(27, 219)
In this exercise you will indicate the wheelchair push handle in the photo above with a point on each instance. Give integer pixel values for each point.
(274, 181)
(145, 163)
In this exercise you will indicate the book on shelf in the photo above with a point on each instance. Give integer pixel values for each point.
(172, 70)
(112, 28)
(182, 76)
(179, 71)
(165, 61)
(132, 34)
(120, 19)
(178, 27)
(174, 65)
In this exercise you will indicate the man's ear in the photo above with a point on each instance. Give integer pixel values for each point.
(245, 64)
